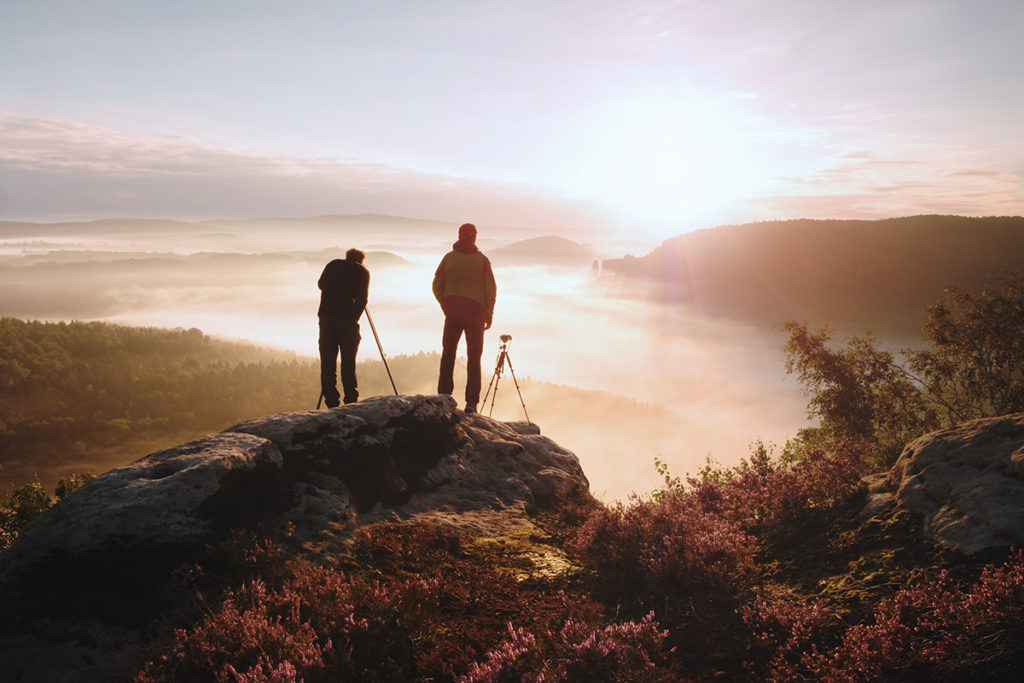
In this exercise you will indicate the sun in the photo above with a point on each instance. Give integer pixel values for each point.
(664, 159)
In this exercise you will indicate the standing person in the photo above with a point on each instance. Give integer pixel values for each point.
(464, 286)
(344, 285)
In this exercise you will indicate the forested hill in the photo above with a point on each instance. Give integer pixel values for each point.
(856, 275)
(89, 396)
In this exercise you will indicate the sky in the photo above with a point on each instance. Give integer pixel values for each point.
(654, 116)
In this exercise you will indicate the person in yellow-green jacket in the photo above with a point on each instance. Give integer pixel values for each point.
(464, 286)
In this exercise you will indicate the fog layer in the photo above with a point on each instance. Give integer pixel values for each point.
(691, 385)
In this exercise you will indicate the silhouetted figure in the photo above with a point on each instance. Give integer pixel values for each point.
(464, 286)
(343, 290)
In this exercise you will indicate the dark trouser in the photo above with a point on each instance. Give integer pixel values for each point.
(453, 330)
(337, 335)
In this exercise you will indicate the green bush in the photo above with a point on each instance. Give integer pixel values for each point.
(972, 366)
(18, 508)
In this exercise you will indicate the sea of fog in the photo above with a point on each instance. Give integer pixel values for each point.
(712, 386)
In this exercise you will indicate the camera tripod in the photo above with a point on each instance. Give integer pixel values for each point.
(499, 369)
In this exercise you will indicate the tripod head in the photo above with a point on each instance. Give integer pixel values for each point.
(506, 339)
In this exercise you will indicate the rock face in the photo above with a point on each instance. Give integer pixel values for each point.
(103, 551)
(967, 483)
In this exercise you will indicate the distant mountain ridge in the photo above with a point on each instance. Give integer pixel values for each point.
(13, 229)
(380, 223)
(852, 274)
(550, 249)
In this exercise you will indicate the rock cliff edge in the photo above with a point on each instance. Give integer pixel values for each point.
(104, 550)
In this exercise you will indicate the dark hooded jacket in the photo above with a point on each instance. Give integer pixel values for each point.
(343, 286)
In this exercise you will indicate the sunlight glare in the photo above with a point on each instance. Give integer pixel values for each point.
(665, 159)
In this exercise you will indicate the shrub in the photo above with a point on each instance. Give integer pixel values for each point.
(318, 624)
(629, 651)
(785, 628)
(687, 553)
(68, 485)
(972, 366)
(763, 493)
(669, 549)
(411, 604)
(18, 508)
(938, 629)
(974, 363)
(860, 393)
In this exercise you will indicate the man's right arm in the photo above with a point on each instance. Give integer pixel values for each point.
(438, 284)
(324, 279)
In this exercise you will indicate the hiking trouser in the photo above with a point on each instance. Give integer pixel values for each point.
(454, 328)
(338, 335)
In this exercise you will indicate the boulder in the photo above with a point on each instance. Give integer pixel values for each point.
(966, 483)
(105, 550)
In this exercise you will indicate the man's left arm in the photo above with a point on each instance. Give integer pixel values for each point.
(490, 292)
(363, 292)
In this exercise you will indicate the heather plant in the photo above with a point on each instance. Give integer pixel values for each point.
(763, 492)
(688, 552)
(785, 628)
(318, 624)
(410, 602)
(669, 556)
(639, 550)
(940, 628)
(629, 651)
(937, 629)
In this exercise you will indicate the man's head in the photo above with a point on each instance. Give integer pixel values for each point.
(354, 255)
(467, 233)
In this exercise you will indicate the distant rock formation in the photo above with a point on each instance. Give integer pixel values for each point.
(103, 551)
(966, 483)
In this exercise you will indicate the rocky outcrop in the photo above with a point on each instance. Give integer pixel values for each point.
(966, 483)
(104, 550)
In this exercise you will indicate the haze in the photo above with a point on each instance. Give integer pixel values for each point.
(710, 386)
(614, 124)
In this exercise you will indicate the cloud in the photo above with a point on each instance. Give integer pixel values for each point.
(923, 180)
(52, 169)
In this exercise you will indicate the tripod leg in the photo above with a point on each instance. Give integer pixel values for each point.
(489, 384)
(517, 391)
(498, 371)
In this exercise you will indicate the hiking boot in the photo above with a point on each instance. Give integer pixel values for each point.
(470, 408)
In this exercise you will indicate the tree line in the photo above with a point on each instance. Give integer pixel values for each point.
(78, 396)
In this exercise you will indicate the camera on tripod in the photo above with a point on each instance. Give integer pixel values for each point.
(499, 369)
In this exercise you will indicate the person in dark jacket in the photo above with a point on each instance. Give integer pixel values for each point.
(464, 286)
(344, 286)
